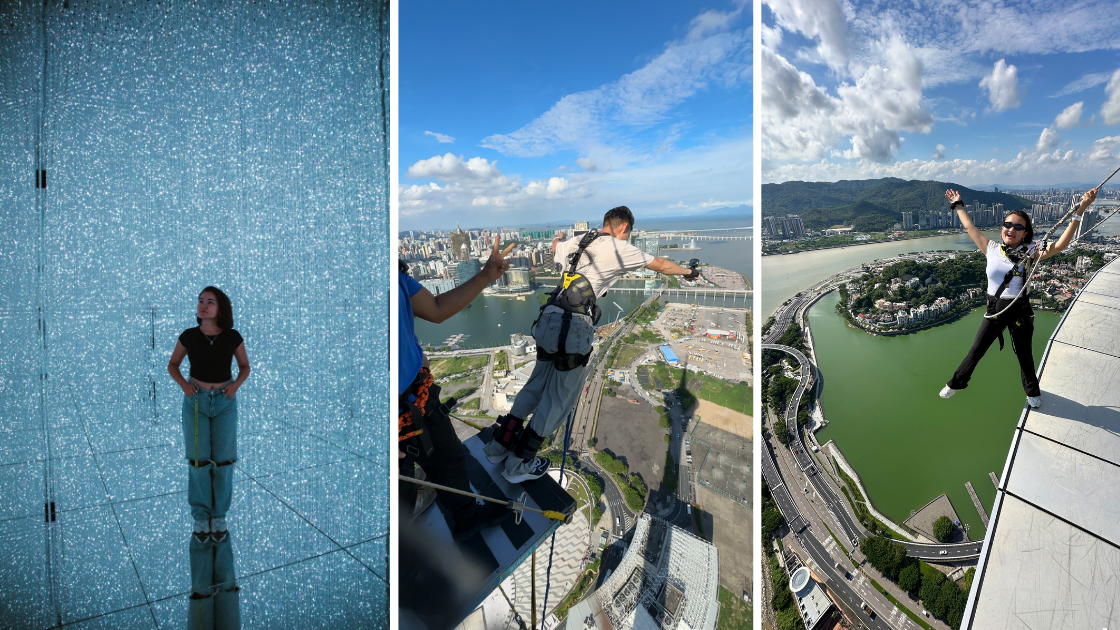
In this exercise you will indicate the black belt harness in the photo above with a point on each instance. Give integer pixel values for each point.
(573, 295)
(1017, 258)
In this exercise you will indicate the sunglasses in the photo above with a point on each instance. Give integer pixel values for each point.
(1018, 227)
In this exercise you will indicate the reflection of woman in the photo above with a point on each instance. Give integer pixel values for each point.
(1007, 269)
(210, 408)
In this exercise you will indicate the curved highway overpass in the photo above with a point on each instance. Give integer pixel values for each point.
(840, 508)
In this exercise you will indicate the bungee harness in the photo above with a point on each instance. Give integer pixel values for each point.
(574, 295)
(1020, 258)
(412, 433)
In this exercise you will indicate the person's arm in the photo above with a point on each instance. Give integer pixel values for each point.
(1067, 236)
(556, 240)
(668, 267)
(173, 364)
(438, 308)
(973, 232)
(242, 371)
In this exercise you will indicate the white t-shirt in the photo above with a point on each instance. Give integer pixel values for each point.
(998, 266)
(604, 261)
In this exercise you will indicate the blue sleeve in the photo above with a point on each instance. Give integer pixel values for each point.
(411, 286)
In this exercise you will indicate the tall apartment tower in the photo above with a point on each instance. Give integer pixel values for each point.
(460, 242)
(796, 227)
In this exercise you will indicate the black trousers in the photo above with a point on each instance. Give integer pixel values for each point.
(1019, 323)
(446, 465)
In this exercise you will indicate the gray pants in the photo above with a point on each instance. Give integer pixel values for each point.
(551, 394)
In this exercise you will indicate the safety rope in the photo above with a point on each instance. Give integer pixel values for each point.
(1031, 265)
(516, 615)
(552, 544)
(517, 506)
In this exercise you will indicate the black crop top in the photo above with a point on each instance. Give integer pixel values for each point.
(210, 363)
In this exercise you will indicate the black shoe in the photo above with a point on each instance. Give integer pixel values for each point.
(482, 517)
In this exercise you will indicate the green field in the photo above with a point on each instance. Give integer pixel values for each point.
(625, 355)
(734, 613)
(456, 365)
(734, 396)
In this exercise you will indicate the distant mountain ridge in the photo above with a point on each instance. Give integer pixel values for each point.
(869, 204)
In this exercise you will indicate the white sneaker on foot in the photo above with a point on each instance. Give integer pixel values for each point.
(1034, 401)
(218, 525)
(947, 391)
(535, 470)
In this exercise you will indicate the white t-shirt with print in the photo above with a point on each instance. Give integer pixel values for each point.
(997, 268)
(604, 261)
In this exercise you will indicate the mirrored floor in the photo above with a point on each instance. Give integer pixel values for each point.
(149, 149)
(306, 544)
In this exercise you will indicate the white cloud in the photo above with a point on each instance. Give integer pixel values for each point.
(771, 37)
(939, 152)
(441, 138)
(1111, 108)
(820, 20)
(587, 164)
(451, 168)
(712, 53)
(1081, 84)
(1047, 140)
(801, 121)
(1028, 167)
(1102, 148)
(1070, 116)
(718, 171)
(1002, 84)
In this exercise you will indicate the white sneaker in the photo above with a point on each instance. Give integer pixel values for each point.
(218, 525)
(1034, 401)
(947, 391)
(534, 470)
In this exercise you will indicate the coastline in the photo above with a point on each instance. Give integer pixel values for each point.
(859, 243)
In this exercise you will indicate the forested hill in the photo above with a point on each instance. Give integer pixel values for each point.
(868, 204)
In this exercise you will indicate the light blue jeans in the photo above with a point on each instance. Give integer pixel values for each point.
(214, 602)
(210, 437)
(549, 393)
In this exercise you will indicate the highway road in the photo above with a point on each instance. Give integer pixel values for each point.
(839, 507)
(617, 504)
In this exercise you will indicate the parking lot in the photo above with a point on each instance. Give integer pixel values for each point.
(714, 339)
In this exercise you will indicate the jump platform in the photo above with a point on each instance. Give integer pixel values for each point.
(443, 581)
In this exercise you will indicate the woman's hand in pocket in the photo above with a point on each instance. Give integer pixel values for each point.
(230, 390)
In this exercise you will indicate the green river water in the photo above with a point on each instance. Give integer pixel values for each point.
(909, 445)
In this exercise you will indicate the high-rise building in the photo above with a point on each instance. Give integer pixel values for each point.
(467, 269)
(518, 278)
(460, 240)
(581, 226)
(907, 220)
(796, 227)
(648, 242)
(769, 227)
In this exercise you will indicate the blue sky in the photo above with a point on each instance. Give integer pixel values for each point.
(513, 113)
(1019, 93)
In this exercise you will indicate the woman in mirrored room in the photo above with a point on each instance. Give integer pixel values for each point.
(210, 409)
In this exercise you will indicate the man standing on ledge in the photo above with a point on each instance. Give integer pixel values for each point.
(564, 333)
